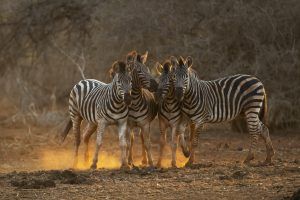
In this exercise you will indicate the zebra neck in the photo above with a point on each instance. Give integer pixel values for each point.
(115, 97)
(136, 85)
(170, 99)
(137, 96)
(136, 88)
(195, 86)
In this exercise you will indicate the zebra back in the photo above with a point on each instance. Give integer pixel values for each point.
(218, 100)
(92, 99)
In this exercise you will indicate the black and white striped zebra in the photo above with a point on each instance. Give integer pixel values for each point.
(169, 113)
(101, 105)
(143, 108)
(222, 100)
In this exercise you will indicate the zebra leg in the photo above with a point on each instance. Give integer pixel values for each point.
(174, 145)
(162, 143)
(130, 139)
(90, 129)
(269, 146)
(192, 146)
(144, 151)
(194, 137)
(145, 133)
(180, 133)
(100, 131)
(76, 130)
(123, 143)
(254, 128)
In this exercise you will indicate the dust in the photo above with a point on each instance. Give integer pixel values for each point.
(63, 159)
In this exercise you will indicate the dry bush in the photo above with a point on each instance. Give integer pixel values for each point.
(41, 43)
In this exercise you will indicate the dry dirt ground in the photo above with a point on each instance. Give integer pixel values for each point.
(34, 166)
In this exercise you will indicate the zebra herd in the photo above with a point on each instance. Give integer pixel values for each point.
(180, 99)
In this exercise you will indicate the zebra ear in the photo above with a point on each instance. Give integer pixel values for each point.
(113, 70)
(159, 68)
(189, 61)
(181, 61)
(130, 56)
(117, 67)
(144, 57)
(174, 61)
(167, 66)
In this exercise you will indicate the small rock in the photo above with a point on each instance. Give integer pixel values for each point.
(224, 177)
(226, 146)
(239, 174)
(240, 148)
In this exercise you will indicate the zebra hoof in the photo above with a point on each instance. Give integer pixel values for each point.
(189, 164)
(93, 166)
(173, 165)
(125, 167)
(158, 165)
(186, 153)
(248, 159)
(144, 163)
(267, 162)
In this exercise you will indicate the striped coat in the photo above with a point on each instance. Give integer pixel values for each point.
(169, 112)
(222, 100)
(101, 105)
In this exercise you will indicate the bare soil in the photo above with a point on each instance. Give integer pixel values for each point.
(34, 166)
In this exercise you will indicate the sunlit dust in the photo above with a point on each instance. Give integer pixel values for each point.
(52, 159)
(180, 159)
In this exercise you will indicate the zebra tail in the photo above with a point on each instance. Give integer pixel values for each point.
(263, 115)
(66, 131)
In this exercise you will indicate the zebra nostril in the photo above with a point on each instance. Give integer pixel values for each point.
(127, 98)
(153, 85)
(179, 93)
(158, 95)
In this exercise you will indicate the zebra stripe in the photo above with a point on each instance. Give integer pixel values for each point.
(222, 100)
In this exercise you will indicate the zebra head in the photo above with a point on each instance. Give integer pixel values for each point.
(140, 72)
(165, 82)
(181, 75)
(122, 79)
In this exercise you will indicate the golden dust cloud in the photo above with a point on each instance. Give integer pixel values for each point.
(62, 159)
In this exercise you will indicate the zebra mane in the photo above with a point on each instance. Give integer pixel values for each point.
(193, 73)
(132, 53)
(122, 67)
(139, 58)
(167, 66)
(180, 61)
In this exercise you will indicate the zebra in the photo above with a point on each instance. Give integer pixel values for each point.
(140, 73)
(143, 108)
(221, 100)
(101, 105)
(169, 113)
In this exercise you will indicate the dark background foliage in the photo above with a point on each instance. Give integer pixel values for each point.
(44, 44)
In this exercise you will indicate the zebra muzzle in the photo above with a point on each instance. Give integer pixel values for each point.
(153, 85)
(158, 95)
(127, 98)
(179, 93)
